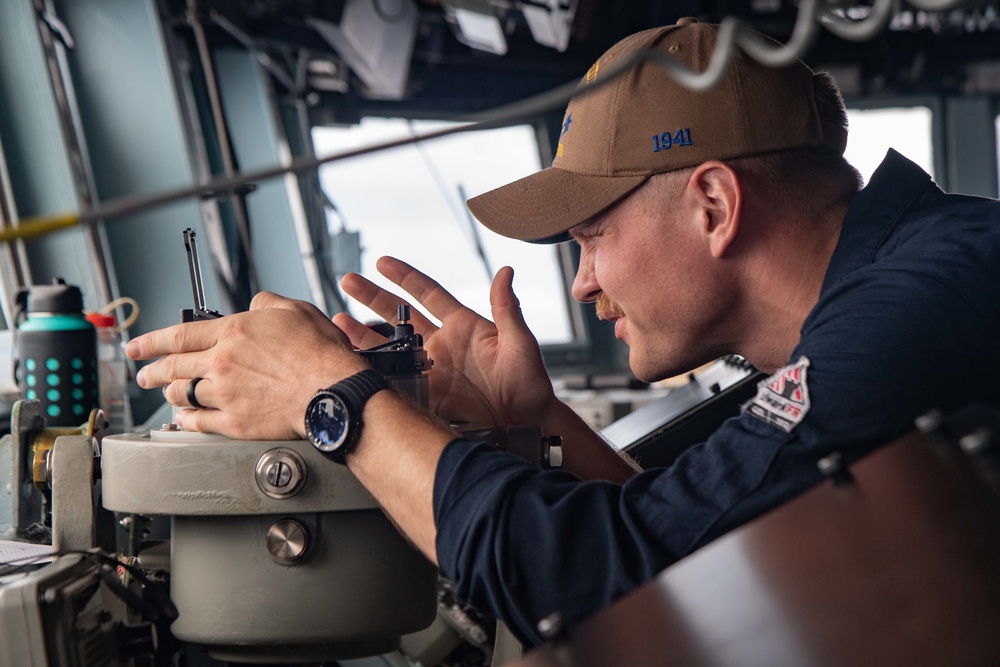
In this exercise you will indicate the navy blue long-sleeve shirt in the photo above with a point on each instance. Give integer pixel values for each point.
(908, 319)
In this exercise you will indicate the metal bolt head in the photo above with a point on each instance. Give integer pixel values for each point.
(929, 422)
(828, 465)
(832, 467)
(280, 473)
(287, 540)
(977, 442)
(552, 626)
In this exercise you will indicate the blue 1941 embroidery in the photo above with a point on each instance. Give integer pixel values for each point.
(662, 142)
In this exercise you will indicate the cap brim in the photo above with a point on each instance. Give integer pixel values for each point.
(543, 206)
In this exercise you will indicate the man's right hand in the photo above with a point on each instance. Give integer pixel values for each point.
(483, 372)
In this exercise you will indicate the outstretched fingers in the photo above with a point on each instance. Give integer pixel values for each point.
(383, 302)
(427, 291)
(506, 308)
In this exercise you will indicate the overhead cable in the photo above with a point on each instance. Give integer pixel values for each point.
(733, 33)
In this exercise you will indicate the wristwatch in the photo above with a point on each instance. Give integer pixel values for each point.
(333, 417)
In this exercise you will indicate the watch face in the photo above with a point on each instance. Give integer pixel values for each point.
(328, 423)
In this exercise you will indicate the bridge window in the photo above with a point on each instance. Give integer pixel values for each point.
(874, 131)
(409, 202)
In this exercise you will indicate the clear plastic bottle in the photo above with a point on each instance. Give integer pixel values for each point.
(112, 374)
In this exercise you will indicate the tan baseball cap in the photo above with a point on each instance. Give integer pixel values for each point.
(644, 123)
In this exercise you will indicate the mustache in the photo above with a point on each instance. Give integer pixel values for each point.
(605, 306)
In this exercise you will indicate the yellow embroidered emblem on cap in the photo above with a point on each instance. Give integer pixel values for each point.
(592, 72)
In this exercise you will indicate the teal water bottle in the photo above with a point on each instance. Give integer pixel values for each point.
(56, 353)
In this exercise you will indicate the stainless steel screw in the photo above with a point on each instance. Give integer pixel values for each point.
(977, 442)
(278, 473)
(552, 627)
(287, 540)
(832, 466)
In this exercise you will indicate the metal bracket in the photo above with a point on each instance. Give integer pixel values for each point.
(25, 499)
(73, 511)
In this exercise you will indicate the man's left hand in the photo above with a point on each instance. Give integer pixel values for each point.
(258, 369)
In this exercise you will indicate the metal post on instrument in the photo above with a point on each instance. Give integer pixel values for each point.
(200, 310)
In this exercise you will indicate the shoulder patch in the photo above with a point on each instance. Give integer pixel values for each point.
(783, 398)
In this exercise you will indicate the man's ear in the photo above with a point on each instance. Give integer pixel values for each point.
(718, 193)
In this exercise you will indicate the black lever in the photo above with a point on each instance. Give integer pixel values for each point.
(200, 310)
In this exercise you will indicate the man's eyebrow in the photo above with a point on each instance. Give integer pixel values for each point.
(583, 228)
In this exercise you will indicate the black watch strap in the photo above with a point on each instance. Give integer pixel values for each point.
(353, 392)
(358, 388)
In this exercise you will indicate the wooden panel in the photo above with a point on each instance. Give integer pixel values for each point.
(900, 567)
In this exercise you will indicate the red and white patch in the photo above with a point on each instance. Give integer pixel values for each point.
(783, 398)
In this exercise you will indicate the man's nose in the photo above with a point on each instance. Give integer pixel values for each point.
(585, 286)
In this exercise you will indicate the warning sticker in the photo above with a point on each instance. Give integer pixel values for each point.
(783, 398)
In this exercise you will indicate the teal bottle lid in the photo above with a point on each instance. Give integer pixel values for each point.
(55, 307)
(55, 322)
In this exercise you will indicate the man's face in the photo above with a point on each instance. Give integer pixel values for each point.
(647, 266)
